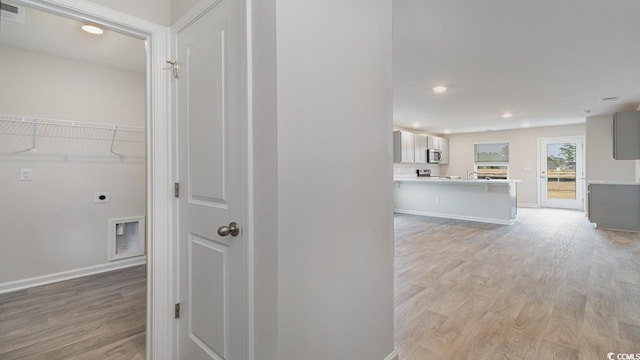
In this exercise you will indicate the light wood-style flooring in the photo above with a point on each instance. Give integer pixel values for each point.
(549, 287)
(98, 317)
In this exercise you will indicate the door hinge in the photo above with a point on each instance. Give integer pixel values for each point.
(176, 190)
(176, 314)
(176, 70)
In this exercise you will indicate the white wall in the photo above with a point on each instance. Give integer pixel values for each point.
(335, 200)
(180, 7)
(523, 154)
(265, 187)
(155, 11)
(44, 86)
(51, 224)
(599, 153)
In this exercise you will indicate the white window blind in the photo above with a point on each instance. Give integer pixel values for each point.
(492, 153)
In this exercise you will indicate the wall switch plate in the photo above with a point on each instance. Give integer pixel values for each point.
(25, 175)
(101, 197)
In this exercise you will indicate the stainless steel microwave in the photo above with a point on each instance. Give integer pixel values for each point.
(434, 156)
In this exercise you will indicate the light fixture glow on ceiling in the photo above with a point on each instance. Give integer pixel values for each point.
(440, 89)
(92, 29)
(416, 124)
(526, 124)
(507, 115)
(447, 131)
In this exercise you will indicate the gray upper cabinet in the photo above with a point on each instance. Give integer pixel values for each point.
(421, 148)
(626, 135)
(444, 149)
(433, 142)
(441, 144)
(411, 148)
(403, 147)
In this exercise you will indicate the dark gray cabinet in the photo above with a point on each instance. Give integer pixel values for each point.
(615, 206)
(626, 135)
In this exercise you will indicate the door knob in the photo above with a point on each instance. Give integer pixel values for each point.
(233, 229)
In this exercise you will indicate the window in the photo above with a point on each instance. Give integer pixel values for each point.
(492, 171)
(492, 160)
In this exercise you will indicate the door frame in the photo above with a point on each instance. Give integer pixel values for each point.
(192, 15)
(158, 165)
(578, 176)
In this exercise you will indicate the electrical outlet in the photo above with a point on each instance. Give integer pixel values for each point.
(25, 175)
(101, 197)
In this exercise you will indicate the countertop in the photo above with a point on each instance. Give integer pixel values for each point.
(436, 180)
(614, 182)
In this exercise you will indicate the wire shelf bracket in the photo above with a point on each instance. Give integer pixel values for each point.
(38, 123)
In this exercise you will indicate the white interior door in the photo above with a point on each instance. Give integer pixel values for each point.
(211, 112)
(562, 172)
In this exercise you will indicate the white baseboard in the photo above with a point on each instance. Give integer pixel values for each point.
(527, 205)
(70, 274)
(456, 217)
(392, 356)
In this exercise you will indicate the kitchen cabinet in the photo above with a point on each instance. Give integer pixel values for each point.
(403, 147)
(421, 145)
(411, 148)
(614, 205)
(433, 142)
(626, 135)
(441, 144)
(444, 150)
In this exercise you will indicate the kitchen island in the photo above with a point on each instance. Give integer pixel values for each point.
(490, 201)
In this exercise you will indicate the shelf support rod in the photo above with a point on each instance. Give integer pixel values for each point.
(33, 137)
(113, 138)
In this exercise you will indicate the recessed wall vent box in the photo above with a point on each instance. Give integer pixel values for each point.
(12, 13)
(126, 237)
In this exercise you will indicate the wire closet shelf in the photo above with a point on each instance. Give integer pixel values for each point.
(35, 128)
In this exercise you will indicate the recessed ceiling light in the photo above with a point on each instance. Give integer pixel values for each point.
(440, 89)
(92, 29)
(507, 115)
(447, 131)
(526, 124)
(416, 124)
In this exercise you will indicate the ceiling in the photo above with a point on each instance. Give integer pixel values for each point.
(62, 37)
(542, 61)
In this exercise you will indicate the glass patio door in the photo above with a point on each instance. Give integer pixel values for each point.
(562, 173)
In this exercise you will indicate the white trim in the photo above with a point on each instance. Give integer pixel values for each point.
(70, 274)
(159, 188)
(456, 217)
(196, 12)
(392, 356)
(159, 202)
(492, 142)
(528, 205)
